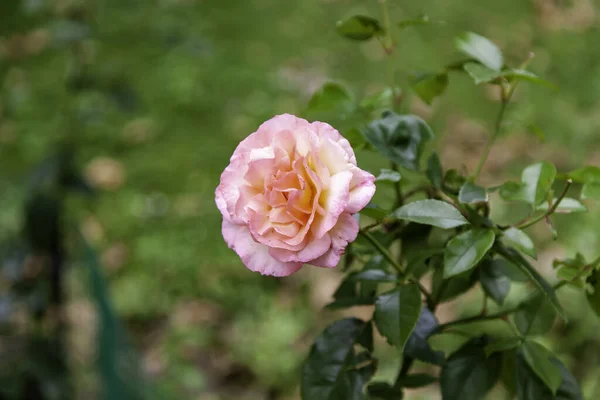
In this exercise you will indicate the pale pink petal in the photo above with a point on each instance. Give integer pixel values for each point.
(314, 249)
(334, 201)
(362, 189)
(326, 131)
(344, 232)
(255, 256)
(333, 156)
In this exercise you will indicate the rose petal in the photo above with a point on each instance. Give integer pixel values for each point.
(314, 249)
(334, 201)
(255, 256)
(345, 231)
(362, 189)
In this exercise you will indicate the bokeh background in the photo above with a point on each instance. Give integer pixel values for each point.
(152, 96)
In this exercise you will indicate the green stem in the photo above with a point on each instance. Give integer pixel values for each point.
(397, 189)
(385, 14)
(548, 213)
(488, 146)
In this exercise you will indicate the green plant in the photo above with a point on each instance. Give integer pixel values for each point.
(439, 229)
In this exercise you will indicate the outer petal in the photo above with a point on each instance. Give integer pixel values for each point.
(263, 136)
(255, 256)
(314, 249)
(344, 232)
(362, 189)
(334, 201)
(326, 131)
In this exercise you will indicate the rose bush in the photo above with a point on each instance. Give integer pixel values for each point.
(288, 195)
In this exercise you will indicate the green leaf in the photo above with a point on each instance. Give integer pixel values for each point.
(383, 390)
(469, 374)
(400, 138)
(517, 238)
(388, 175)
(359, 27)
(566, 206)
(420, 20)
(539, 359)
(493, 280)
(470, 193)
(480, 73)
(494, 328)
(431, 212)
(535, 317)
(531, 387)
(374, 211)
(417, 345)
(448, 289)
(375, 275)
(434, 170)
(429, 86)
(397, 313)
(381, 100)
(464, 251)
(590, 191)
(588, 174)
(417, 380)
(512, 191)
(347, 295)
(538, 179)
(594, 297)
(524, 75)
(547, 290)
(481, 49)
(448, 343)
(331, 99)
(332, 371)
(503, 345)
(453, 180)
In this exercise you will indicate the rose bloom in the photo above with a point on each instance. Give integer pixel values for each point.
(288, 195)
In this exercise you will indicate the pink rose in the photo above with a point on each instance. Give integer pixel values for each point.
(288, 195)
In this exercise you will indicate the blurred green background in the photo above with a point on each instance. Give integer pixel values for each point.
(156, 94)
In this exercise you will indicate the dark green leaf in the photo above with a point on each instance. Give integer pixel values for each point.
(469, 374)
(471, 193)
(464, 251)
(375, 275)
(388, 175)
(448, 289)
(331, 99)
(503, 345)
(481, 49)
(535, 317)
(359, 27)
(368, 288)
(383, 390)
(538, 179)
(588, 174)
(453, 180)
(417, 346)
(331, 372)
(417, 380)
(511, 270)
(420, 20)
(531, 387)
(429, 86)
(347, 295)
(594, 297)
(539, 359)
(434, 170)
(547, 290)
(493, 328)
(493, 280)
(431, 212)
(374, 211)
(449, 342)
(397, 312)
(400, 138)
(590, 191)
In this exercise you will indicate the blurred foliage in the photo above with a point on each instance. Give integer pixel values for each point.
(155, 95)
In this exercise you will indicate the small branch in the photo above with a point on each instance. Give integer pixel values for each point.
(383, 252)
(550, 211)
(397, 189)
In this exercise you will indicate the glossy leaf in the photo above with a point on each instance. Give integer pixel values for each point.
(481, 49)
(331, 371)
(400, 138)
(480, 73)
(464, 251)
(590, 191)
(469, 374)
(531, 387)
(397, 313)
(388, 175)
(429, 86)
(359, 27)
(538, 179)
(547, 290)
(520, 240)
(434, 170)
(503, 345)
(493, 280)
(539, 359)
(331, 99)
(450, 288)
(375, 275)
(470, 193)
(417, 345)
(535, 317)
(566, 206)
(417, 380)
(431, 212)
